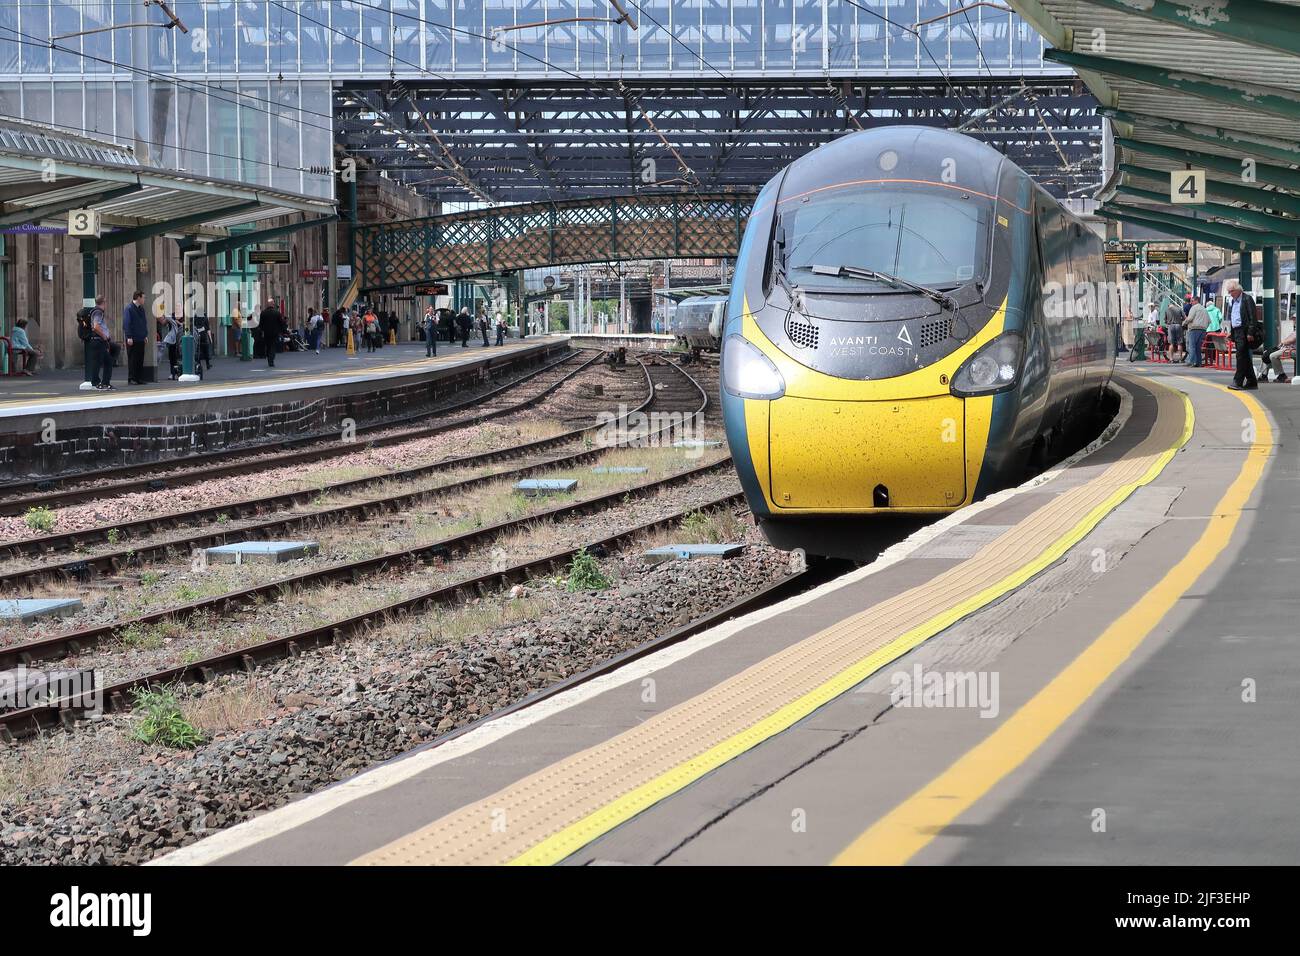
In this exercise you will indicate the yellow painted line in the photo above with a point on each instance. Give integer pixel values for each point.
(468, 835)
(573, 838)
(900, 834)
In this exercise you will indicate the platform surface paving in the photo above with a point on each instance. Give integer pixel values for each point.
(1116, 595)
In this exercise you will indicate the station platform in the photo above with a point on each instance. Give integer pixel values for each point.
(57, 390)
(1118, 682)
(236, 402)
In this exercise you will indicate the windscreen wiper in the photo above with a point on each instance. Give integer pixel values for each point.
(889, 278)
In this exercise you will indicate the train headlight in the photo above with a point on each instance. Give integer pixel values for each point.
(992, 369)
(747, 372)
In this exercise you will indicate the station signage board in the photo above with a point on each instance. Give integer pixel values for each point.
(314, 273)
(1187, 187)
(84, 222)
(1120, 255)
(1167, 256)
(436, 288)
(268, 256)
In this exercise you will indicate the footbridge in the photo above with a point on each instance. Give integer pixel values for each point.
(538, 235)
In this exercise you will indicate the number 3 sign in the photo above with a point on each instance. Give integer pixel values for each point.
(83, 222)
(1187, 186)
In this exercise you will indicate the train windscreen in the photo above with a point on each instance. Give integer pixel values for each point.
(927, 237)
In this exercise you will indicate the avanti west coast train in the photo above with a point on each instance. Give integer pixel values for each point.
(893, 342)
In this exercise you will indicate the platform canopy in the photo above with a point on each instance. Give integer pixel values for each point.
(45, 173)
(1189, 84)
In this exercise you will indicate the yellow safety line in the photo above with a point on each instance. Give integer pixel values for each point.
(900, 834)
(570, 838)
(575, 836)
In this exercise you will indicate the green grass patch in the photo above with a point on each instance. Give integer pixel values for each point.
(40, 519)
(162, 722)
(585, 573)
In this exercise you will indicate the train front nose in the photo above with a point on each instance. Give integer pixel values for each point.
(809, 442)
(853, 456)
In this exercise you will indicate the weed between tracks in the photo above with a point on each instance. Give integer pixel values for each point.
(160, 721)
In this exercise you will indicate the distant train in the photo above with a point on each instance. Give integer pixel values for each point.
(892, 344)
(698, 321)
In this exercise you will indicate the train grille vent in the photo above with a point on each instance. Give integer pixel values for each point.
(932, 333)
(802, 334)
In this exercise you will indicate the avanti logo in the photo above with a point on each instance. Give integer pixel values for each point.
(76, 909)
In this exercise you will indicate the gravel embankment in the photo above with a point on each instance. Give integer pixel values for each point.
(98, 796)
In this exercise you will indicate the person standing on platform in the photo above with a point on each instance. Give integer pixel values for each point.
(1198, 322)
(317, 329)
(483, 327)
(430, 327)
(135, 329)
(1174, 323)
(271, 322)
(370, 322)
(1240, 314)
(172, 339)
(501, 329)
(337, 322)
(101, 343)
(463, 325)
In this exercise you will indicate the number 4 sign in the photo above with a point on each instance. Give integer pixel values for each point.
(1187, 186)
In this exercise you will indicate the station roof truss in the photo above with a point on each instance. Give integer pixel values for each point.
(44, 174)
(1180, 82)
(535, 141)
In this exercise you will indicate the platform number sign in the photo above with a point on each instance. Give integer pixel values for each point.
(1187, 187)
(83, 222)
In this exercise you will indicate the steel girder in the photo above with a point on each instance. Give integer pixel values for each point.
(551, 140)
(538, 235)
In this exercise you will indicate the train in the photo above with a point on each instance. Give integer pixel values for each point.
(697, 322)
(907, 331)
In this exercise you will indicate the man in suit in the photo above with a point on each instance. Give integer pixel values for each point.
(135, 329)
(1239, 313)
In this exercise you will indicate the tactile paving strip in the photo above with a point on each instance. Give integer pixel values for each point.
(554, 812)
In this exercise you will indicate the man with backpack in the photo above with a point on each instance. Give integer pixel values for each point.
(99, 344)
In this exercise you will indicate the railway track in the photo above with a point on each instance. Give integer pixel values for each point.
(74, 642)
(670, 386)
(116, 697)
(81, 567)
(126, 479)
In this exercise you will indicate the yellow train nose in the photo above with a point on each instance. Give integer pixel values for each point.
(864, 456)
